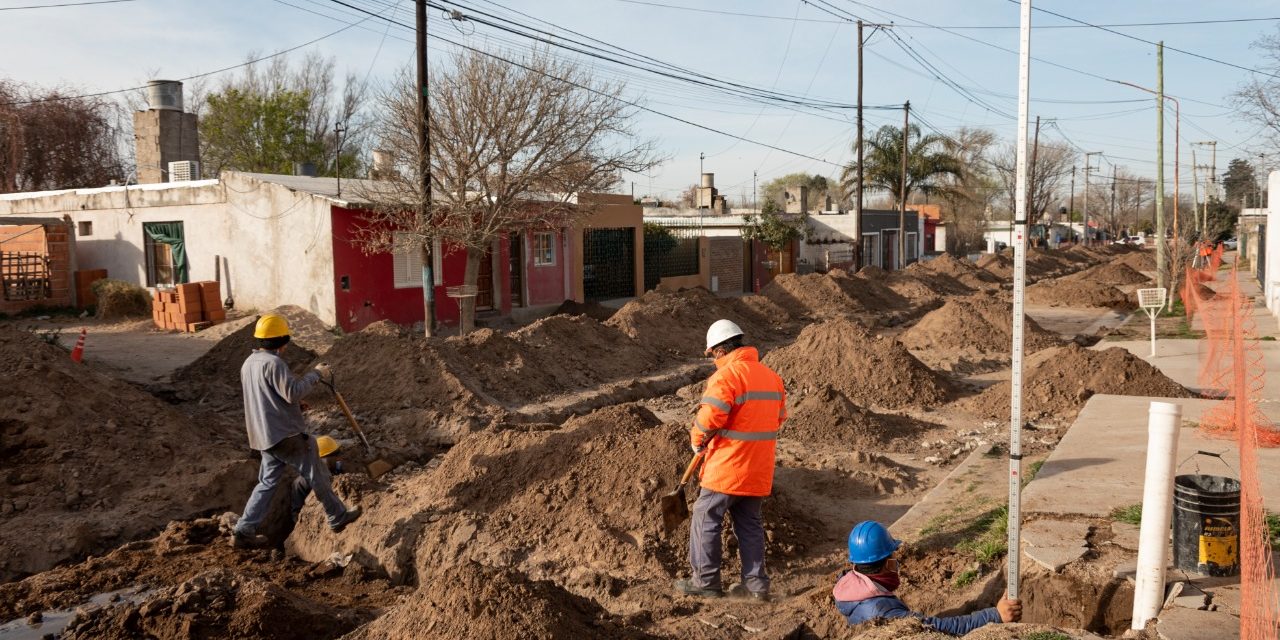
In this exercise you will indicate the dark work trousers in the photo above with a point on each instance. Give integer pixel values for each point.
(704, 539)
(299, 452)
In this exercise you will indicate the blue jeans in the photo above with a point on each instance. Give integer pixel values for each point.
(704, 539)
(300, 453)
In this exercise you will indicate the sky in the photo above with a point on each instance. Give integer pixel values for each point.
(963, 72)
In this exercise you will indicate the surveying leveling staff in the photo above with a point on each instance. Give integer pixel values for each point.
(273, 418)
(738, 420)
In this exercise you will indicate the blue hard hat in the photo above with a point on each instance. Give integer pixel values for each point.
(870, 542)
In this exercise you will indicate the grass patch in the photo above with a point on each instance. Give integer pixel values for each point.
(990, 536)
(1175, 310)
(1268, 338)
(1131, 514)
(1046, 635)
(1273, 529)
(1032, 472)
(965, 578)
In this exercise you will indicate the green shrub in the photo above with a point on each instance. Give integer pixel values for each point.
(120, 299)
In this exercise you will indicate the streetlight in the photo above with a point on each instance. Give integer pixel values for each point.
(1177, 149)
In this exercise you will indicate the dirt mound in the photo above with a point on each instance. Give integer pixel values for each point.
(217, 603)
(1088, 254)
(676, 323)
(1138, 259)
(815, 295)
(473, 601)
(1076, 292)
(88, 461)
(577, 505)
(593, 310)
(997, 264)
(216, 374)
(981, 323)
(1111, 273)
(827, 416)
(554, 355)
(1059, 381)
(959, 270)
(870, 370)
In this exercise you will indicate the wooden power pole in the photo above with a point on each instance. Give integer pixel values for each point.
(424, 170)
(902, 209)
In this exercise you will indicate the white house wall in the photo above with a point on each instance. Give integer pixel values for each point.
(1271, 283)
(277, 244)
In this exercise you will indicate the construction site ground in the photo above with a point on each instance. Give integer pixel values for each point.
(530, 462)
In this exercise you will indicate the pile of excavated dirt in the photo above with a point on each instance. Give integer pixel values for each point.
(1077, 292)
(980, 323)
(88, 462)
(552, 356)
(870, 370)
(961, 271)
(190, 563)
(578, 505)
(593, 310)
(215, 376)
(826, 416)
(216, 603)
(1059, 381)
(1111, 273)
(474, 601)
(1139, 260)
(997, 264)
(676, 323)
(1088, 254)
(837, 294)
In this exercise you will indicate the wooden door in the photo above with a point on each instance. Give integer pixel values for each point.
(484, 283)
(516, 242)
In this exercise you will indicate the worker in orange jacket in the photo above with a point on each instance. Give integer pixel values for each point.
(736, 432)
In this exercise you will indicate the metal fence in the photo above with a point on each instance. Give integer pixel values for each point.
(670, 250)
(608, 263)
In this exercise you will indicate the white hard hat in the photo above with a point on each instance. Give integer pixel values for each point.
(720, 331)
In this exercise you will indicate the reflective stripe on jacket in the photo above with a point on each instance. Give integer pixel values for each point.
(744, 405)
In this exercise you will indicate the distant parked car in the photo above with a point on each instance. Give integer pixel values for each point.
(1231, 244)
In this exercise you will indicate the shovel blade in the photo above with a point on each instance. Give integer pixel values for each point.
(675, 510)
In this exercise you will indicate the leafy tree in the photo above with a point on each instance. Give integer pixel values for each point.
(255, 132)
(929, 164)
(49, 141)
(775, 190)
(1240, 183)
(970, 194)
(658, 240)
(774, 228)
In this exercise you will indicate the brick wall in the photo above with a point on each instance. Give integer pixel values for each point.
(726, 263)
(51, 240)
(162, 136)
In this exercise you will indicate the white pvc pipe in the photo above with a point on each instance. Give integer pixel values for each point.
(1157, 511)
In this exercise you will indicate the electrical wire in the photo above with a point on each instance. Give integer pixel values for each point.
(64, 4)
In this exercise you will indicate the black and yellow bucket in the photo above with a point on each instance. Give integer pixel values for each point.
(1206, 524)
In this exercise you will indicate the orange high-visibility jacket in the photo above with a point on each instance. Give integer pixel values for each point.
(743, 406)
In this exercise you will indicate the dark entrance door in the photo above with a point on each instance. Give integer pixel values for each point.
(608, 263)
(484, 283)
(890, 250)
(517, 269)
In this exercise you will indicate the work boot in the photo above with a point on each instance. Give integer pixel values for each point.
(350, 516)
(248, 540)
(740, 590)
(688, 588)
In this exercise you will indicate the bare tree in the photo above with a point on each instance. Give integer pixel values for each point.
(514, 144)
(49, 140)
(1053, 163)
(972, 192)
(1133, 196)
(1258, 99)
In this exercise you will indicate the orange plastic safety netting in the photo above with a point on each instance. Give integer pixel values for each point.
(1233, 367)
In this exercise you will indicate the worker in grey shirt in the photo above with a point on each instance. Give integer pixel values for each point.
(273, 418)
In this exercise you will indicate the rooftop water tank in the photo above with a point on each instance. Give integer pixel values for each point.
(164, 94)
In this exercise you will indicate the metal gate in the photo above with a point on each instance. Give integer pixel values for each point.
(608, 263)
(670, 250)
(1260, 269)
(25, 276)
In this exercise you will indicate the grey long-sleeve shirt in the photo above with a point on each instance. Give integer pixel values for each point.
(271, 399)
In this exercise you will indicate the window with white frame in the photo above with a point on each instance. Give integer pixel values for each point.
(913, 246)
(407, 264)
(544, 249)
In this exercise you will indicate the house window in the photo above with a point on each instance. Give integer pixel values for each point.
(871, 249)
(164, 249)
(544, 249)
(913, 246)
(86, 227)
(407, 265)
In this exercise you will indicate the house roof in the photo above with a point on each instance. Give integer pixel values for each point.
(323, 187)
(16, 221)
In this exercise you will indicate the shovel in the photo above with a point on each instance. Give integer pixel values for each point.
(675, 509)
(377, 467)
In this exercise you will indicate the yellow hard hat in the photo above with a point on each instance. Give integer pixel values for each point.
(326, 445)
(271, 326)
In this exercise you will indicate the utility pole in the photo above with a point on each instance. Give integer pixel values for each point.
(1031, 181)
(1088, 165)
(902, 209)
(1071, 206)
(1210, 186)
(339, 128)
(424, 170)
(857, 215)
(1161, 251)
(754, 203)
(701, 157)
(1113, 195)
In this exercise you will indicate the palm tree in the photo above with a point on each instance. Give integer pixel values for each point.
(929, 164)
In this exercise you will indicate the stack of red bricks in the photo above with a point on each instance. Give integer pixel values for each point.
(188, 307)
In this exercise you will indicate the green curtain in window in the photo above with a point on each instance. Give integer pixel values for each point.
(170, 233)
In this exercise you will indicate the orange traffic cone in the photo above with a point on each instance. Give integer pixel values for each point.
(77, 353)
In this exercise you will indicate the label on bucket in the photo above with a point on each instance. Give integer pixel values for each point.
(1219, 543)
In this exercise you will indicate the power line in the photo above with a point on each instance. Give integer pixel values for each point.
(65, 4)
(1133, 37)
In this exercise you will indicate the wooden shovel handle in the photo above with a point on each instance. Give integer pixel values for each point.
(693, 464)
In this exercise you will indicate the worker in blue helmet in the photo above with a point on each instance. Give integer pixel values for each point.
(864, 592)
